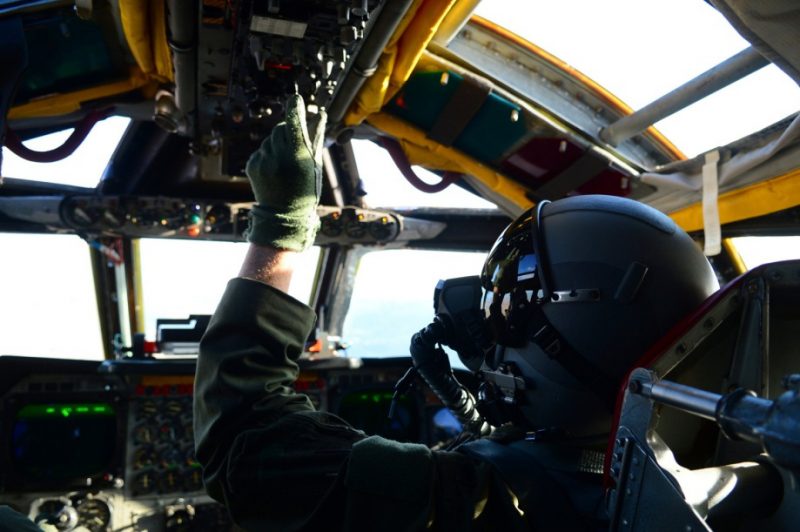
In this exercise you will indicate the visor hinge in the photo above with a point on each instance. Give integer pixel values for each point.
(577, 295)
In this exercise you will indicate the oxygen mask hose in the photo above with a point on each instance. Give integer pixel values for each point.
(432, 364)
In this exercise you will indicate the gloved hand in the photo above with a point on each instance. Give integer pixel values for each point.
(286, 176)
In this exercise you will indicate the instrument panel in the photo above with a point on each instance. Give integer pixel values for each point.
(105, 446)
(162, 217)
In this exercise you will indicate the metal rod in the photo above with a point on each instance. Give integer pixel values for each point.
(122, 305)
(182, 21)
(692, 400)
(366, 60)
(732, 69)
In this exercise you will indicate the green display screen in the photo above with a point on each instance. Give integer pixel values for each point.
(54, 443)
(66, 410)
(368, 411)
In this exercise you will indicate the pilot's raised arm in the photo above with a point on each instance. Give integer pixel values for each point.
(575, 291)
(275, 462)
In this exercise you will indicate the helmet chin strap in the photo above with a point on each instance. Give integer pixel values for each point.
(556, 347)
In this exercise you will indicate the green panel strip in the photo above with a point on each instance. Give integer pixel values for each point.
(65, 410)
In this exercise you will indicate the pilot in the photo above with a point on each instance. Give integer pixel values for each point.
(576, 291)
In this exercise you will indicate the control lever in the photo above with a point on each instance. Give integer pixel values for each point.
(775, 425)
(644, 478)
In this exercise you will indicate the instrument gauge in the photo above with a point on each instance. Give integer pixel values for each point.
(146, 434)
(171, 458)
(94, 514)
(194, 479)
(144, 483)
(147, 408)
(82, 213)
(171, 430)
(144, 457)
(114, 216)
(189, 458)
(170, 481)
(188, 430)
(58, 513)
(174, 407)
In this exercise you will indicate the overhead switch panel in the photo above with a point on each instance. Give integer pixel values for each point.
(277, 48)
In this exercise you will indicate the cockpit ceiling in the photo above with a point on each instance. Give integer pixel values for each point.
(460, 95)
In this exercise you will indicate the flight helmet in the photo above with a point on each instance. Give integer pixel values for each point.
(575, 291)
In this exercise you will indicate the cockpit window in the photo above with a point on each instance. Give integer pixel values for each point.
(183, 277)
(640, 51)
(393, 297)
(47, 298)
(758, 250)
(386, 186)
(83, 168)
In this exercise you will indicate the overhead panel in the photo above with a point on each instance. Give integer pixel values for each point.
(255, 54)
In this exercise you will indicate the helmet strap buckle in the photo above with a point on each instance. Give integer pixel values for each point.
(548, 339)
(505, 382)
(498, 394)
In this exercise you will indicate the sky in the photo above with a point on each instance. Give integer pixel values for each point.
(638, 49)
(642, 49)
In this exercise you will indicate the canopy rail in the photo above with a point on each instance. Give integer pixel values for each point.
(729, 71)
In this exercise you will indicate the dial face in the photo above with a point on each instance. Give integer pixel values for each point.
(82, 213)
(114, 216)
(94, 514)
(146, 434)
(194, 479)
(189, 458)
(144, 483)
(57, 512)
(188, 431)
(147, 408)
(144, 457)
(174, 407)
(171, 458)
(169, 481)
(171, 430)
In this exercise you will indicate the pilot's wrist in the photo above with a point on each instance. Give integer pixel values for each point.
(269, 265)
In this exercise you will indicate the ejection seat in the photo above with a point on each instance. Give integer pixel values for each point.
(667, 469)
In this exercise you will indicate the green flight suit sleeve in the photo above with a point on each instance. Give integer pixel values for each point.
(277, 464)
(266, 453)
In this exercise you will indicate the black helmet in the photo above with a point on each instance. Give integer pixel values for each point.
(575, 291)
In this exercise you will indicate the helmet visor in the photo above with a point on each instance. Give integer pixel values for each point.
(510, 282)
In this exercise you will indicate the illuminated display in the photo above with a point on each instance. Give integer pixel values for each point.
(63, 442)
(367, 410)
(65, 410)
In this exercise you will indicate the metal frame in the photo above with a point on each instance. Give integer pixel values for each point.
(729, 71)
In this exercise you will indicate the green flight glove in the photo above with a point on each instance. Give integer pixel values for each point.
(286, 176)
